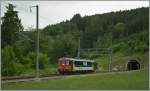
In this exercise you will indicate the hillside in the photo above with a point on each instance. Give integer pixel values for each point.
(126, 32)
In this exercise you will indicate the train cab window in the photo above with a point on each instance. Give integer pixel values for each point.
(67, 62)
(61, 62)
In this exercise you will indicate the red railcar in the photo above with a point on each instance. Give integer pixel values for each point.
(69, 65)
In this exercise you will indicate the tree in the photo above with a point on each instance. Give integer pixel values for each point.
(11, 25)
(119, 30)
(77, 19)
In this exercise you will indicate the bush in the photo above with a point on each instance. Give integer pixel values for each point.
(116, 48)
(10, 65)
(95, 64)
(30, 60)
(19, 68)
(140, 48)
(43, 61)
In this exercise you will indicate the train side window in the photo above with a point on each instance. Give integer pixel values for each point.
(78, 63)
(89, 64)
(67, 62)
(84, 63)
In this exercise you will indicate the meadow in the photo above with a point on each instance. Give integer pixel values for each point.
(131, 80)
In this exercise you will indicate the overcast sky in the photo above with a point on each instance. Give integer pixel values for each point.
(52, 12)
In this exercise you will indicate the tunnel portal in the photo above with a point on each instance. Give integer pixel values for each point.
(133, 65)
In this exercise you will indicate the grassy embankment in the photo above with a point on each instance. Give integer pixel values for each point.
(133, 80)
(119, 59)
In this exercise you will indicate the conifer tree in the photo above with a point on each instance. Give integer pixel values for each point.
(11, 25)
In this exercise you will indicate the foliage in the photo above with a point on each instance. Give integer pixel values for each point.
(11, 25)
(30, 60)
(124, 31)
(64, 45)
(97, 30)
(10, 64)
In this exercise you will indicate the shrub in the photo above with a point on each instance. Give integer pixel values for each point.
(30, 60)
(10, 65)
(43, 61)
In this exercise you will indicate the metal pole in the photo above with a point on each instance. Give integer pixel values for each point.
(37, 40)
(37, 45)
(110, 54)
(110, 60)
(78, 55)
(0, 44)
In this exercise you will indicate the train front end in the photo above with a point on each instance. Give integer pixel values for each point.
(64, 66)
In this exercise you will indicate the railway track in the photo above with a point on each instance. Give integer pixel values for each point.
(25, 78)
(22, 77)
(32, 78)
(44, 77)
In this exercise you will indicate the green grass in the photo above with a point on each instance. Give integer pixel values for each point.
(133, 80)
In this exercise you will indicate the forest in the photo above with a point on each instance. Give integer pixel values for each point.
(125, 32)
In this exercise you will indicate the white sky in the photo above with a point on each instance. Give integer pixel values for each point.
(52, 12)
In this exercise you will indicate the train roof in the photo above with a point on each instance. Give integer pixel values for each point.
(75, 59)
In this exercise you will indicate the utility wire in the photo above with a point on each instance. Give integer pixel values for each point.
(42, 17)
(22, 10)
